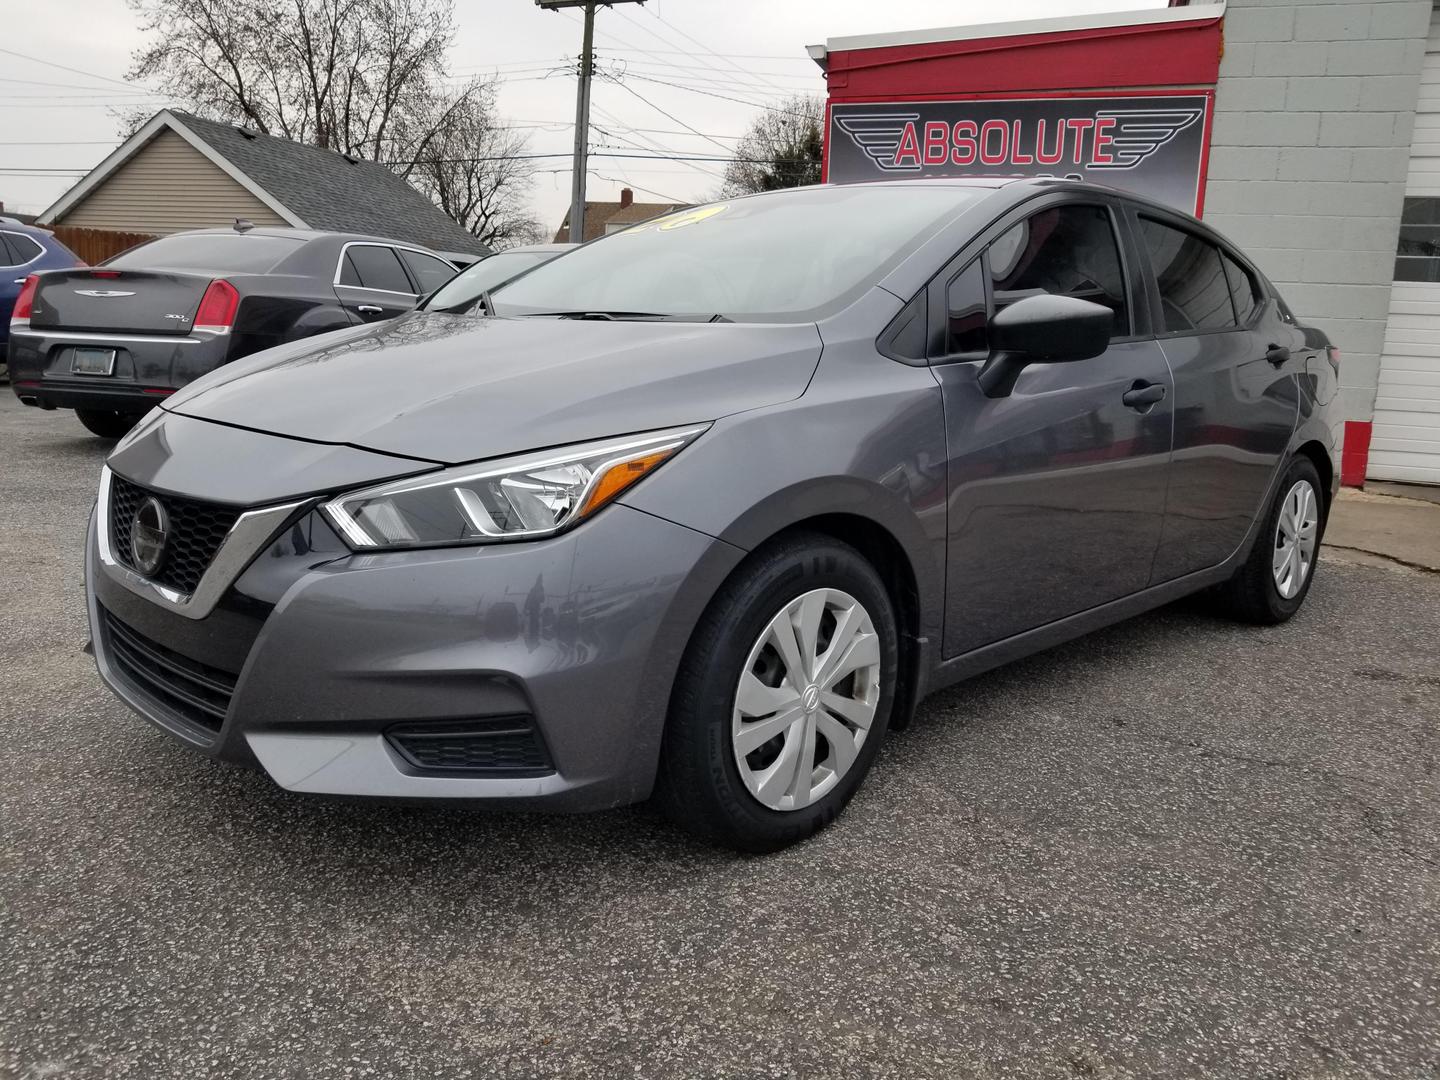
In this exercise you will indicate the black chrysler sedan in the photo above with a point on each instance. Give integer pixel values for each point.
(110, 341)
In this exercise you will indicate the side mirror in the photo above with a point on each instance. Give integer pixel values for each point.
(1042, 330)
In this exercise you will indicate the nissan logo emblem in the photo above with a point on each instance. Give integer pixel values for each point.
(148, 533)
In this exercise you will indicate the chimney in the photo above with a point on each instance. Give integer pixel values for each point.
(627, 197)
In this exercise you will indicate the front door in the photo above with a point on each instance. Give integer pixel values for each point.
(1056, 491)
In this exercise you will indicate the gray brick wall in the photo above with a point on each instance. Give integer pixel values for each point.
(1309, 153)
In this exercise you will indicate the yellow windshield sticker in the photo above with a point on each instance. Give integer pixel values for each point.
(691, 217)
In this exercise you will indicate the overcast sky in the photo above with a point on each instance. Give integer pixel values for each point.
(751, 50)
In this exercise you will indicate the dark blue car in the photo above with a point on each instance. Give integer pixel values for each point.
(25, 250)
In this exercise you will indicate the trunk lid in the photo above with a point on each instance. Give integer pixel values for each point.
(118, 301)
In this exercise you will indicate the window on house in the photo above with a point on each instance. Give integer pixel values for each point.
(1418, 256)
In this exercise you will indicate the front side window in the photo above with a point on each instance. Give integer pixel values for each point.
(372, 266)
(967, 316)
(463, 291)
(1064, 251)
(1194, 293)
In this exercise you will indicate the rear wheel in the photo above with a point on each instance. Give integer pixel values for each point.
(1276, 578)
(783, 698)
(107, 423)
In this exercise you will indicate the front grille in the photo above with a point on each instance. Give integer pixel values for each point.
(506, 745)
(196, 692)
(197, 529)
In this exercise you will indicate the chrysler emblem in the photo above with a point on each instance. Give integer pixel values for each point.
(148, 533)
(102, 293)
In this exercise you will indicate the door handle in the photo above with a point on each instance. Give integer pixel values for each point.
(370, 309)
(1143, 395)
(18, 281)
(1277, 354)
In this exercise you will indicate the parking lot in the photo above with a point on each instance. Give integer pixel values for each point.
(1176, 848)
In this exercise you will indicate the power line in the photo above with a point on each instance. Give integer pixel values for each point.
(724, 97)
(656, 35)
(73, 71)
(662, 112)
(637, 187)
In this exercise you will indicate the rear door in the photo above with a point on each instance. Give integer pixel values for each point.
(372, 283)
(1056, 492)
(1235, 357)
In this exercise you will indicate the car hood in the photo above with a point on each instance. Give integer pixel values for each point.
(457, 388)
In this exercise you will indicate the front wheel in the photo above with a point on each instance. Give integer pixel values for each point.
(1276, 578)
(107, 423)
(783, 698)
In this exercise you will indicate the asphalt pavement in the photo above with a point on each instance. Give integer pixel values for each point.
(1177, 848)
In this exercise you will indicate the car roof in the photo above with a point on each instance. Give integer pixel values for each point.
(305, 235)
(531, 247)
(13, 226)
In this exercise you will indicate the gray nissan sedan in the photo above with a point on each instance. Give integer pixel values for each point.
(702, 509)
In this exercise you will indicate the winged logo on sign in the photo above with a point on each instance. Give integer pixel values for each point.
(1139, 133)
(878, 137)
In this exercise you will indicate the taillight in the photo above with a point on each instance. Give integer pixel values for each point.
(25, 304)
(217, 307)
(1333, 354)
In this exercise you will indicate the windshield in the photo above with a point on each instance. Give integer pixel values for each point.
(792, 256)
(224, 252)
(462, 291)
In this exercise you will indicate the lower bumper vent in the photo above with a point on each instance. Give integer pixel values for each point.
(194, 691)
(496, 746)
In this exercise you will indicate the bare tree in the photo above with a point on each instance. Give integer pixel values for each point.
(474, 170)
(782, 148)
(362, 77)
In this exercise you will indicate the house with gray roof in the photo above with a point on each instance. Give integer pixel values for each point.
(182, 172)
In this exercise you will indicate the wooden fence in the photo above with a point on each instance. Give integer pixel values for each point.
(97, 245)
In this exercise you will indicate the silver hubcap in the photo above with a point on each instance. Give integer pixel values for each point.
(806, 699)
(1295, 539)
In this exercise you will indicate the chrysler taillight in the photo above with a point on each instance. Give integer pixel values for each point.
(217, 307)
(25, 304)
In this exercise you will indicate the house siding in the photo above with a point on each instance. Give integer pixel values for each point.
(166, 187)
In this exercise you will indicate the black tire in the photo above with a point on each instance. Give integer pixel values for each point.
(1252, 594)
(107, 423)
(699, 786)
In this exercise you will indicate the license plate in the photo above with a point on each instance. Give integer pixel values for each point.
(93, 362)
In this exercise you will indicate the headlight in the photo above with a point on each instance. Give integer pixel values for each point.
(517, 498)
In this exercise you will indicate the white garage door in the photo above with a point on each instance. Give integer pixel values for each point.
(1405, 439)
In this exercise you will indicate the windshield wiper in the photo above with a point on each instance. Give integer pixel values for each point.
(618, 316)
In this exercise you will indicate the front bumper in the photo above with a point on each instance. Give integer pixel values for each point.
(329, 651)
(146, 368)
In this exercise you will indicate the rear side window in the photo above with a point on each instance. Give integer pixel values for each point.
(1194, 292)
(7, 257)
(1244, 293)
(429, 272)
(232, 253)
(1064, 251)
(372, 266)
(22, 249)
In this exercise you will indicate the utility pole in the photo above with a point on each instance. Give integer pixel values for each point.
(582, 106)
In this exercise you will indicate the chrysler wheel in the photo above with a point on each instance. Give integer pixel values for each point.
(1295, 535)
(806, 699)
(783, 697)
